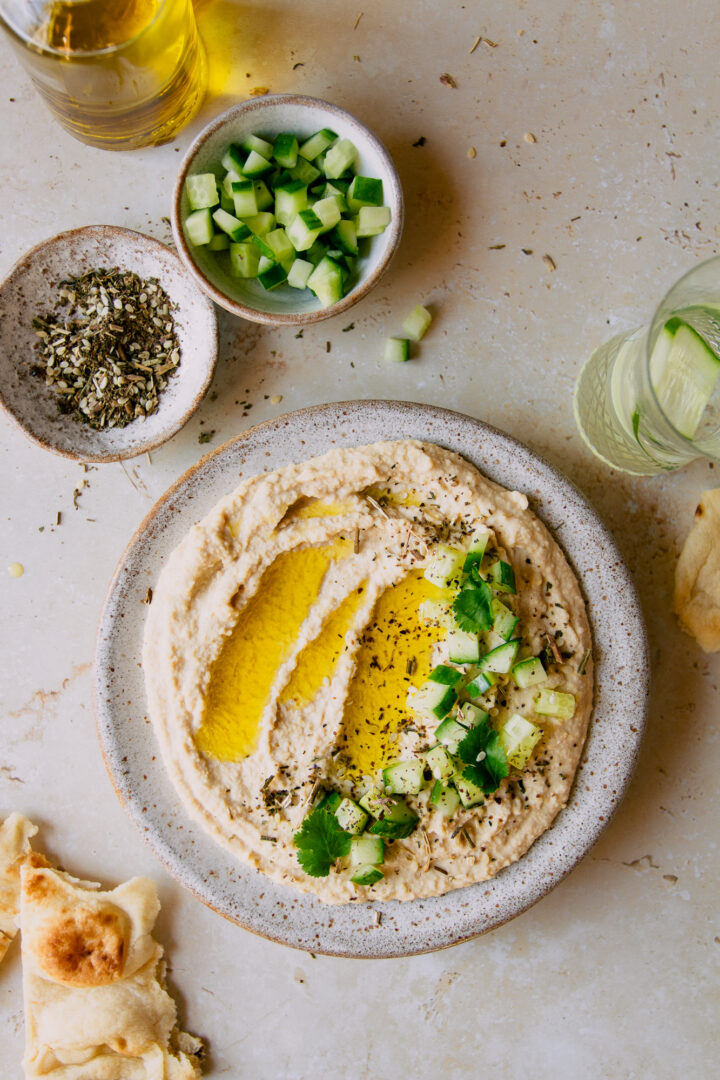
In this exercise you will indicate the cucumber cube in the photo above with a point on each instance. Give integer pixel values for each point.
(263, 195)
(256, 164)
(329, 188)
(463, 647)
(199, 228)
(470, 715)
(367, 850)
(364, 191)
(431, 699)
(328, 210)
(244, 260)
(326, 281)
(202, 191)
(480, 684)
(372, 220)
(285, 150)
(529, 672)
(440, 762)
(404, 777)
(415, 326)
(448, 676)
(396, 350)
(237, 230)
(504, 620)
(351, 817)
(260, 146)
(304, 229)
(299, 273)
(470, 794)
(450, 733)
(317, 144)
(436, 613)
(396, 820)
(244, 198)
(519, 738)
(502, 576)
(274, 275)
(290, 199)
(444, 565)
(445, 799)
(260, 224)
(304, 171)
(234, 158)
(340, 157)
(219, 242)
(231, 177)
(501, 659)
(280, 246)
(330, 801)
(227, 202)
(367, 875)
(345, 236)
(555, 703)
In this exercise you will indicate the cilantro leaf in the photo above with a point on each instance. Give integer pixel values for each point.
(320, 842)
(473, 608)
(493, 767)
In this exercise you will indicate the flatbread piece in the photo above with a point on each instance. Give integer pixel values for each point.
(697, 575)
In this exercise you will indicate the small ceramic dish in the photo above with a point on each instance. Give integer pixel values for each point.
(267, 117)
(30, 289)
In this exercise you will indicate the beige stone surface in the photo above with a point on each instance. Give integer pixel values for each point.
(615, 974)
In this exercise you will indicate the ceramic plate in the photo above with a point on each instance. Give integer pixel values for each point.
(392, 928)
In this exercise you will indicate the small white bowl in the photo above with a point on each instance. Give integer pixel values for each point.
(267, 117)
(30, 290)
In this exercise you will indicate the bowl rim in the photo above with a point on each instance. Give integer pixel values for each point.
(301, 318)
(113, 232)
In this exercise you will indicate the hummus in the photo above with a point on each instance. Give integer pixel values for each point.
(285, 634)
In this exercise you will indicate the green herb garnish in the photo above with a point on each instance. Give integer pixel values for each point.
(320, 842)
(473, 608)
(484, 743)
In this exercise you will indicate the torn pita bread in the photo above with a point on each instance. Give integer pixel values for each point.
(15, 852)
(697, 575)
(93, 976)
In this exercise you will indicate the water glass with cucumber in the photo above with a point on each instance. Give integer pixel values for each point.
(649, 401)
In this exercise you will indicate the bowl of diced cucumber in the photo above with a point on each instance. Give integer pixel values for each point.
(287, 209)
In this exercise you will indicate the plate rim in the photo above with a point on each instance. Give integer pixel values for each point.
(159, 844)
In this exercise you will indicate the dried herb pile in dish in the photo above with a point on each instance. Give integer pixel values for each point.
(108, 348)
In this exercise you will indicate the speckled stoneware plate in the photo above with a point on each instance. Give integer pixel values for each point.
(276, 911)
(30, 290)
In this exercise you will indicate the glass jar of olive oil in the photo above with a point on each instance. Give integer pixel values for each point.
(117, 74)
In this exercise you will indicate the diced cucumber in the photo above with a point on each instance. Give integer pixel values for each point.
(364, 191)
(529, 672)
(502, 576)
(437, 613)
(219, 242)
(478, 543)
(317, 144)
(237, 230)
(273, 276)
(440, 762)
(299, 273)
(372, 220)
(397, 820)
(480, 684)
(335, 188)
(231, 177)
(340, 157)
(244, 198)
(265, 261)
(445, 799)
(555, 703)
(372, 801)
(260, 224)
(431, 699)
(233, 159)
(351, 817)
(367, 875)
(396, 350)
(199, 227)
(279, 243)
(328, 210)
(450, 733)
(285, 150)
(445, 674)
(260, 146)
(470, 715)
(444, 566)
(519, 738)
(470, 794)
(501, 659)
(345, 236)
(202, 191)
(367, 850)
(504, 620)
(463, 647)
(330, 801)
(304, 229)
(404, 777)
(326, 280)
(290, 199)
(244, 260)
(226, 201)
(256, 164)
(303, 170)
(415, 326)
(263, 196)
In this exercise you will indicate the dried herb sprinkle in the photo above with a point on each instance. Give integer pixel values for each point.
(108, 347)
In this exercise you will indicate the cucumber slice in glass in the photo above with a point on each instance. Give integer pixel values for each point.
(683, 372)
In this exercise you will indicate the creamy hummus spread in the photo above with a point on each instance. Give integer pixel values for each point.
(286, 631)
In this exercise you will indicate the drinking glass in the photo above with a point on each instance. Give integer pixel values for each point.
(117, 74)
(648, 401)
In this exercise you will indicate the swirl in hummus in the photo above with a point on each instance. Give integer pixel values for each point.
(285, 634)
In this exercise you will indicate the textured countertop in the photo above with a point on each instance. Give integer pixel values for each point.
(595, 143)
